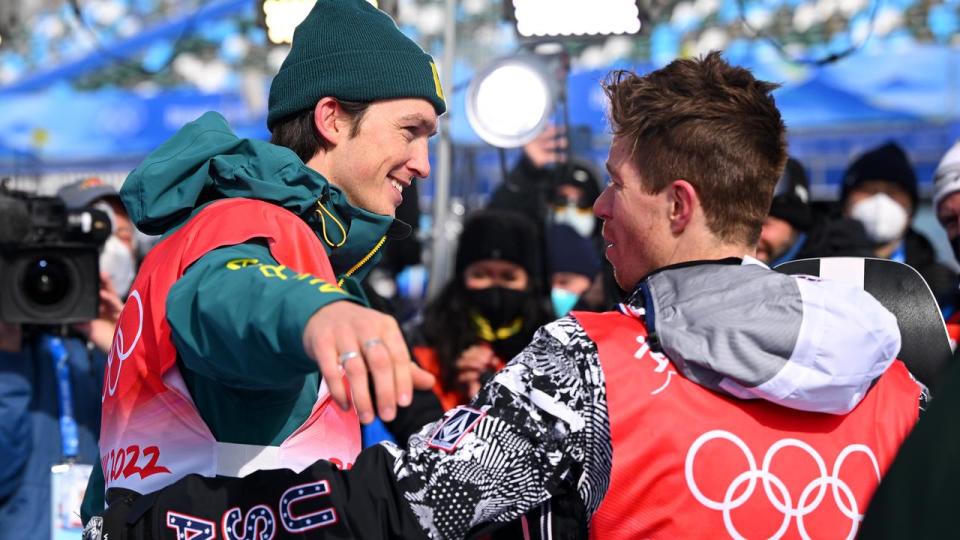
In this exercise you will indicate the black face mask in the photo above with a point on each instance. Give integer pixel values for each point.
(498, 305)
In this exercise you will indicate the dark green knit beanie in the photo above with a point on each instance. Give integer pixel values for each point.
(350, 50)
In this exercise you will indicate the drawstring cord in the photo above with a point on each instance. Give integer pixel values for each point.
(323, 226)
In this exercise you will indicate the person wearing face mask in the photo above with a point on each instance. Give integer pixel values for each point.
(880, 191)
(549, 187)
(574, 193)
(50, 387)
(118, 259)
(486, 314)
(946, 203)
(793, 231)
(573, 263)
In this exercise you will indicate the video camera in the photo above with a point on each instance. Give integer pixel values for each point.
(49, 259)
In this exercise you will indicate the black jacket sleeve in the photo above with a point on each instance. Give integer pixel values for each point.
(319, 502)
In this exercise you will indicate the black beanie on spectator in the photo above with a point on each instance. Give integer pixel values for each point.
(791, 197)
(502, 235)
(567, 251)
(889, 163)
(581, 174)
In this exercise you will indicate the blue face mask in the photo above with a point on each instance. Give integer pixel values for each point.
(563, 301)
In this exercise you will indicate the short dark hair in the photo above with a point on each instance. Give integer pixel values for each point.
(298, 132)
(711, 124)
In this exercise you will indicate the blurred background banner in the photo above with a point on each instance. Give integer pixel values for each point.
(59, 128)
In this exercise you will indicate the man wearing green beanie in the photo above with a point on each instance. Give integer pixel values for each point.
(246, 344)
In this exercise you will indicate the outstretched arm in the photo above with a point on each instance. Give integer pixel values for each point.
(538, 429)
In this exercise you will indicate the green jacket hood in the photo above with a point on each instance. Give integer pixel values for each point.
(206, 161)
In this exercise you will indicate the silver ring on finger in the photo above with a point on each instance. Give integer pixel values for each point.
(373, 342)
(346, 356)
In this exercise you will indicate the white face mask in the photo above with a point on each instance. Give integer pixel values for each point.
(882, 217)
(118, 262)
(581, 220)
(116, 259)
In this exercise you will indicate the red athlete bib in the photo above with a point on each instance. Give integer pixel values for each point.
(953, 329)
(691, 463)
(152, 434)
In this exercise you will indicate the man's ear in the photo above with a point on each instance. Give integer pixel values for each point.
(683, 204)
(328, 120)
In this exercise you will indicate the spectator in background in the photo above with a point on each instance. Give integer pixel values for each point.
(573, 263)
(31, 441)
(793, 230)
(549, 188)
(946, 203)
(39, 381)
(880, 191)
(486, 314)
(119, 256)
(575, 190)
(785, 229)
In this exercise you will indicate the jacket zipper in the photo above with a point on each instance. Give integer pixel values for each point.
(363, 261)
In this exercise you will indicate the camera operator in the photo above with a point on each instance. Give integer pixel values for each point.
(118, 258)
(54, 336)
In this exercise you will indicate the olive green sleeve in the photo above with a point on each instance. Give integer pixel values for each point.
(237, 317)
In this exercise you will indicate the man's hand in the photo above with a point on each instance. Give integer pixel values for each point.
(547, 148)
(344, 338)
(471, 366)
(11, 335)
(100, 330)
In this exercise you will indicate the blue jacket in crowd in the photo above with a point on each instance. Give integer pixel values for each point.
(30, 442)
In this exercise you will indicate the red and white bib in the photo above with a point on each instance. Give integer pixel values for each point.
(691, 463)
(151, 433)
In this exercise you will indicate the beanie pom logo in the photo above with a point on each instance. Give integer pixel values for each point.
(436, 81)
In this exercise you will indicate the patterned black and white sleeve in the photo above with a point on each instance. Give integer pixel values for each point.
(538, 426)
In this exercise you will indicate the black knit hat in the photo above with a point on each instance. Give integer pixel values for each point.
(499, 234)
(889, 163)
(791, 197)
(583, 175)
(350, 50)
(567, 251)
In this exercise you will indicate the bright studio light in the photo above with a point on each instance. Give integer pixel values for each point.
(283, 16)
(510, 102)
(537, 18)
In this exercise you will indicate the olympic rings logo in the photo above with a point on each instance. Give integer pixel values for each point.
(776, 491)
(119, 351)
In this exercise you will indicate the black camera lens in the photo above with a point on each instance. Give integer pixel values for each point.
(46, 281)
